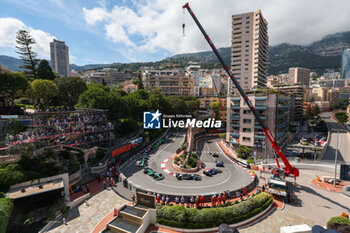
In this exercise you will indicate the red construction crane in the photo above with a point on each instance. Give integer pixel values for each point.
(288, 169)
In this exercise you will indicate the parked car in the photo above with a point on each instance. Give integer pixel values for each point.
(219, 163)
(304, 141)
(346, 190)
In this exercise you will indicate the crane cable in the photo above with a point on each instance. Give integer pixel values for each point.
(183, 20)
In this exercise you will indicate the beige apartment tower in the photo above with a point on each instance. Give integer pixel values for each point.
(249, 51)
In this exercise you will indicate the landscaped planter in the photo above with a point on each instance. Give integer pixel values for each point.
(209, 219)
(186, 170)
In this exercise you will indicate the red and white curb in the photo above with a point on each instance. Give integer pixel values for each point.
(163, 166)
(252, 175)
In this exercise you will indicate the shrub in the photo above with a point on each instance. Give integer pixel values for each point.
(339, 220)
(181, 217)
(5, 213)
(341, 116)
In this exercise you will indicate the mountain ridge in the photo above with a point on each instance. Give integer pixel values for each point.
(318, 56)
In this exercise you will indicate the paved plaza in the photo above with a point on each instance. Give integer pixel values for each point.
(84, 218)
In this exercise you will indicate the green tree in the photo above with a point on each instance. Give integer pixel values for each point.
(12, 85)
(157, 101)
(94, 97)
(44, 90)
(316, 110)
(24, 48)
(192, 105)
(216, 106)
(44, 70)
(139, 82)
(243, 152)
(70, 88)
(177, 105)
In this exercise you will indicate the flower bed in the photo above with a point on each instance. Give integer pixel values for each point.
(182, 217)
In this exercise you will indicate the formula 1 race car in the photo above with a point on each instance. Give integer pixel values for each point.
(188, 177)
(219, 163)
(212, 172)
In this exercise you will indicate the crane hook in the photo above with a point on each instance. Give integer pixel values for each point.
(183, 29)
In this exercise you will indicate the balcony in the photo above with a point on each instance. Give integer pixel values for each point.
(284, 124)
(261, 107)
(235, 134)
(235, 125)
(283, 106)
(236, 98)
(281, 116)
(257, 127)
(262, 117)
(261, 98)
(259, 136)
(235, 117)
(235, 107)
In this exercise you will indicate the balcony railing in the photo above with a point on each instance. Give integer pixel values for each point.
(259, 136)
(233, 107)
(261, 107)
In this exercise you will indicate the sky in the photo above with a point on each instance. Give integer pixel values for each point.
(108, 31)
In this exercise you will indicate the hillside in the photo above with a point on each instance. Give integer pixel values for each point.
(318, 56)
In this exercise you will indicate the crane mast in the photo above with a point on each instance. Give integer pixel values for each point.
(288, 169)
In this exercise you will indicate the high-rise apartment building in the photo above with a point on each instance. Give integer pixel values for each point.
(193, 70)
(59, 57)
(249, 51)
(299, 75)
(345, 64)
(243, 129)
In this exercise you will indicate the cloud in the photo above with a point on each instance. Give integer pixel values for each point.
(150, 26)
(8, 29)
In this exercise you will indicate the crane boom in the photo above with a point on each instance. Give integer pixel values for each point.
(288, 169)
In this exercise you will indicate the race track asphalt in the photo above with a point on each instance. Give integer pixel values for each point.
(232, 178)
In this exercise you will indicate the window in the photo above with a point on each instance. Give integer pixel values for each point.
(247, 37)
(247, 111)
(247, 50)
(246, 139)
(245, 82)
(247, 27)
(247, 32)
(248, 22)
(245, 60)
(247, 46)
(247, 55)
(247, 130)
(247, 121)
(248, 17)
(245, 68)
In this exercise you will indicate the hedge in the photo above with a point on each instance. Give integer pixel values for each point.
(338, 219)
(5, 213)
(190, 218)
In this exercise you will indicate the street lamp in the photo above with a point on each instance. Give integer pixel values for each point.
(336, 159)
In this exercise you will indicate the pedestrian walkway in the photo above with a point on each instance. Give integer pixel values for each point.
(94, 187)
(85, 217)
(326, 186)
